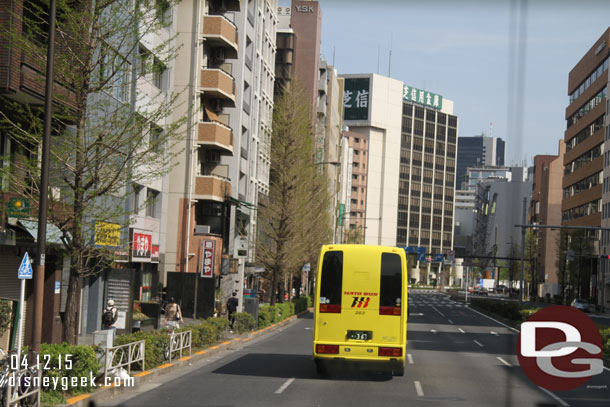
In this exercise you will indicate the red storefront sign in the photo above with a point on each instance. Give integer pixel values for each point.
(155, 254)
(207, 262)
(141, 246)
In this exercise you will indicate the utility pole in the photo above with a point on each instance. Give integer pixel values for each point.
(44, 187)
(522, 250)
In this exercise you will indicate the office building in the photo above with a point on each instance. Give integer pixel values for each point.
(478, 151)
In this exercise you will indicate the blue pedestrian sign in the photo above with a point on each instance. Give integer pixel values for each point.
(438, 258)
(25, 269)
(421, 254)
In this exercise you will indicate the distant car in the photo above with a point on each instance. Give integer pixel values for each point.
(582, 305)
(501, 289)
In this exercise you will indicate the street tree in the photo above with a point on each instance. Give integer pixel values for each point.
(296, 221)
(108, 134)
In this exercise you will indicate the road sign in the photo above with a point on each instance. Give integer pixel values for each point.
(25, 269)
(438, 258)
(421, 254)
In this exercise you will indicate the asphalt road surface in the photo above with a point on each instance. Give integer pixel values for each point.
(455, 357)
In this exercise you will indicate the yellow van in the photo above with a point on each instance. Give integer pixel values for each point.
(361, 306)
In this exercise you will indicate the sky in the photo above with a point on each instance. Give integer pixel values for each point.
(460, 50)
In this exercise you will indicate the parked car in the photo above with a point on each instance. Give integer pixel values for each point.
(582, 305)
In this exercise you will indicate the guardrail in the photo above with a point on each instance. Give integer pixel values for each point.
(125, 355)
(22, 387)
(178, 342)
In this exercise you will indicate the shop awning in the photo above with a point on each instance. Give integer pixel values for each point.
(54, 235)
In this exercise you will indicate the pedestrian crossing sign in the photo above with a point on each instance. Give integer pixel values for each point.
(25, 269)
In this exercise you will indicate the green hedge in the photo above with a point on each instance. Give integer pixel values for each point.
(84, 362)
(506, 309)
(268, 315)
(244, 322)
(300, 304)
(605, 333)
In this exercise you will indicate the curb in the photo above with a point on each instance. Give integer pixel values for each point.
(142, 377)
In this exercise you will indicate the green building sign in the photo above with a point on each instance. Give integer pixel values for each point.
(422, 97)
(356, 96)
(18, 208)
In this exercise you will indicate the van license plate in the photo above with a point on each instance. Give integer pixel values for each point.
(360, 335)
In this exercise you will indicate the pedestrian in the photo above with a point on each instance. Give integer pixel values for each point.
(173, 314)
(110, 316)
(232, 304)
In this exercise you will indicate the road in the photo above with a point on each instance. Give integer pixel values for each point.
(456, 357)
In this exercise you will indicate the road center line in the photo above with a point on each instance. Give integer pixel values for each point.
(410, 358)
(418, 389)
(503, 361)
(284, 386)
(461, 330)
(478, 343)
(563, 403)
(435, 309)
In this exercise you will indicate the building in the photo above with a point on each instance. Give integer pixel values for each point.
(478, 151)
(586, 156)
(359, 148)
(299, 41)
(221, 172)
(545, 209)
(410, 168)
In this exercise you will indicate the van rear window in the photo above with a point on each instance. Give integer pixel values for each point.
(331, 283)
(391, 280)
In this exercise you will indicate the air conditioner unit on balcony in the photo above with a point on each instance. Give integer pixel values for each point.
(212, 156)
(202, 230)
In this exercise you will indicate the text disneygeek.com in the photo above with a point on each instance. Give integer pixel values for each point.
(65, 383)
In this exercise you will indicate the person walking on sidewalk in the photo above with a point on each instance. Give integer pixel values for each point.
(173, 314)
(110, 316)
(232, 304)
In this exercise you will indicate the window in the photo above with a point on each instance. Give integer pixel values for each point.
(391, 280)
(156, 133)
(356, 140)
(137, 189)
(153, 207)
(331, 284)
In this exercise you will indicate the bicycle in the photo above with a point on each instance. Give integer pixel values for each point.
(173, 344)
(23, 386)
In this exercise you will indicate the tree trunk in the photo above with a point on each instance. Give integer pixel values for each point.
(72, 311)
(272, 293)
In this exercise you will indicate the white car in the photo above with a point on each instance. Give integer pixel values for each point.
(582, 305)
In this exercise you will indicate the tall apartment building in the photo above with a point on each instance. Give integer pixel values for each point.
(411, 136)
(359, 147)
(478, 151)
(586, 153)
(224, 73)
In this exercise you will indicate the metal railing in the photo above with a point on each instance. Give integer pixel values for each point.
(124, 355)
(21, 387)
(178, 342)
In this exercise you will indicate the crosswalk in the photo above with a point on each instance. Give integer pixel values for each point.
(425, 298)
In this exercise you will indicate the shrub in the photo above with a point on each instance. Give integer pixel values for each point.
(265, 316)
(244, 322)
(506, 309)
(605, 333)
(221, 325)
(154, 343)
(84, 362)
(6, 310)
(300, 304)
(207, 333)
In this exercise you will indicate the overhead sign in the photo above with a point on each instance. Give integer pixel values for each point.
(25, 269)
(107, 234)
(141, 246)
(421, 254)
(207, 262)
(356, 95)
(422, 97)
(438, 258)
(341, 214)
(18, 208)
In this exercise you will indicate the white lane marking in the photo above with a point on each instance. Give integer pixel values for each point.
(606, 368)
(450, 321)
(433, 331)
(410, 358)
(563, 403)
(461, 330)
(418, 389)
(487, 316)
(418, 314)
(503, 361)
(284, 386)
(478, 343)
(308, 328)
(435, 309)
(494, 333)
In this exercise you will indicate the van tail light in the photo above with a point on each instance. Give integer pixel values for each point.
(332, 349)
(330, 308)
(390, 352)
(389, 310)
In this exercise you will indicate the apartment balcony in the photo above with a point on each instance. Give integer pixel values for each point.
(212, 187)
(218, 31)
(218, 84)
(215, 135)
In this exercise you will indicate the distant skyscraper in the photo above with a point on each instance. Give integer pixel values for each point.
(477, 151)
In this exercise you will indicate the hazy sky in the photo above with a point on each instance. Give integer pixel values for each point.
(460, 49)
